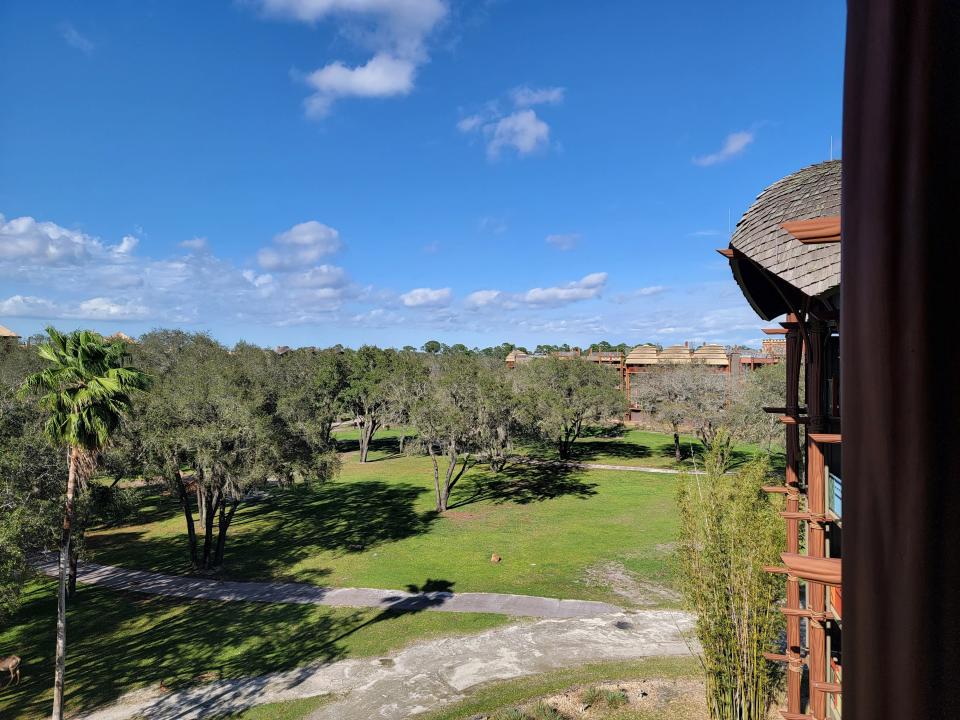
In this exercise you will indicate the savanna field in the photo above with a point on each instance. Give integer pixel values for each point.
(560, 531)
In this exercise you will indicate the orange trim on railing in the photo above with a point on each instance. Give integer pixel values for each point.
(826, 438)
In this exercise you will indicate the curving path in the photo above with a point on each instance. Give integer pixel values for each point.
(150, 583)
(424, 676)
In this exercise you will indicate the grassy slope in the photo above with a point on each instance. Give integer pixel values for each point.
(490, 699)
(117, 642)
(375, 527)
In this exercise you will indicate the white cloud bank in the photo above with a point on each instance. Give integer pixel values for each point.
(733, 145)
(398, 40)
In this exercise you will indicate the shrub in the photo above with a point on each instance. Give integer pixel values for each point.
(729, 530)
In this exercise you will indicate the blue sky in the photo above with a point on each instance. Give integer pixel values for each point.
(391, 171)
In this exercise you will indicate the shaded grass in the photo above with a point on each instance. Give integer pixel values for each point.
(117, 642)
(494, 698)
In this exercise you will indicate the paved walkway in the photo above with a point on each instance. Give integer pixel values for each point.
(151, 583)
(424, 676)
(604, 466)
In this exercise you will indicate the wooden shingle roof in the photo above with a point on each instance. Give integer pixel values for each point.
(711, 355)
(676, 355)
(7, 332)
(642, 355)
(810, 193)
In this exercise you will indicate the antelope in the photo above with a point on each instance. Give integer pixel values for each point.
(12, 665)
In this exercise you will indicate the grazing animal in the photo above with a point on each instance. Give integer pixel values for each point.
(11, 665)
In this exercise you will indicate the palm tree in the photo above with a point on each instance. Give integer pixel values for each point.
(86, 390)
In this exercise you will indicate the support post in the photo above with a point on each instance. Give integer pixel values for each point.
(901, 386)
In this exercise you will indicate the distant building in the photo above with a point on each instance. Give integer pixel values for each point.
(121, 336)
(8, 336)
(643, 358)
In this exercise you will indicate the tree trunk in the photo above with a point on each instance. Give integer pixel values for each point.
(676, 445)
(367, 430)
(61, 656)
(401, 441)
(72, 574)
(188, 517)
(211, 501)
(436, 477)
(225, 519)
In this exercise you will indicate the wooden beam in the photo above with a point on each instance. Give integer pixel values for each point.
(815, 569)
(775, 657)
(775, 331)
(795, 716)
(781, 489)
(814, 232)
(726, 252)
(826, 438)
(826, 687)
(793, 420)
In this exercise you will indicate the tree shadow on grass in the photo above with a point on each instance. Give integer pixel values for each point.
(270, 536)
(523, 483)
(119, 641)
(591, 449)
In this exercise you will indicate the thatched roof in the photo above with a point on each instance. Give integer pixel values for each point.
(121, 336)
(676, 355)
(643, 355)
(761, 244)
(516, 356)
(711, 355)
(7, 332)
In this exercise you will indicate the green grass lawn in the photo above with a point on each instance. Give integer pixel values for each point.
(375, 527)
(289, 710)
(497, 698)
(120, 641)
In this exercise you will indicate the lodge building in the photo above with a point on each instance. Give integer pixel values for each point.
(645, 358)
(785, 256)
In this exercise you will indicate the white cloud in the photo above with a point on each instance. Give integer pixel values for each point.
(395, 30)
(74, 39)
(733, 145)
(563, 241)
(301, 245)
(427, 297)
(321, 276)
(128, 243)
(643, 292)
(523, 131)
(256, 280)
(470, 123)
(527, 97)
(27, 306)
(483, 298)
(98, 308)
(587, 288)
(382, 76)
(28, 241)
(197, 243)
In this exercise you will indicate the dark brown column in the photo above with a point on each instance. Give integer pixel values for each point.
(792, 358)
(901, 380)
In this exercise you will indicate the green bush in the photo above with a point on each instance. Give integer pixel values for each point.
(729, 530)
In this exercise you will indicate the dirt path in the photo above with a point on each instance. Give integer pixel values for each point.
(193, 588)
(427, 675)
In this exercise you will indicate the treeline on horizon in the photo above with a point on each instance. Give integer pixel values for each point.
(435, 347)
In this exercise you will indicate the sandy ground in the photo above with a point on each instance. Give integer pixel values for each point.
(427, 675)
